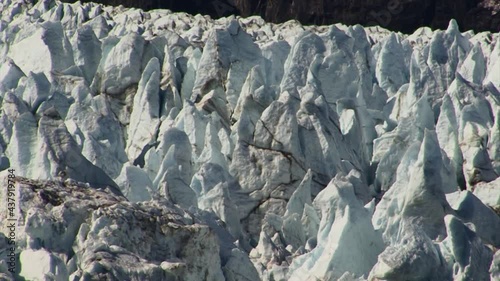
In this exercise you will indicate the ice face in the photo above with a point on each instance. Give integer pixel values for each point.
(158, 145)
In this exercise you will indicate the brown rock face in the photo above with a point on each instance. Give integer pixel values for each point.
(399, 15)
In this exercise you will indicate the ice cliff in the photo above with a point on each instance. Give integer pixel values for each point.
(165, 146)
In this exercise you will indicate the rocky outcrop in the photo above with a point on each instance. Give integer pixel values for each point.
(69, 231)
(405, 15)
(400, 15)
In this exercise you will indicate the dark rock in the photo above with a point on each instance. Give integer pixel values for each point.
(400, 15)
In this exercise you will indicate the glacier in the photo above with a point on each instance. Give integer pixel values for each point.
(167, 146)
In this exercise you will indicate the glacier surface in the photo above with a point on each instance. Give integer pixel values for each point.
(166, 146)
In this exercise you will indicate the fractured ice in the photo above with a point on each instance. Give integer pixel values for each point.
(165, 146)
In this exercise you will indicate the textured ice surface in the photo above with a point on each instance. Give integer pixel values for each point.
(236, 149)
